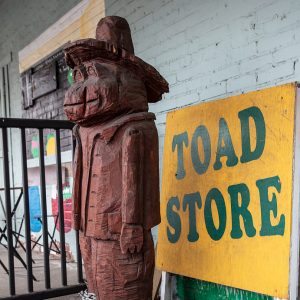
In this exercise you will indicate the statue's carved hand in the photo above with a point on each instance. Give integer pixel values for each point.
(131, 238)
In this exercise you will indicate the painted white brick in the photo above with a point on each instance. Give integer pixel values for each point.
(210, 49)
(276, 72)
(239, 83)
(285, 53)
(144, 21)
(228, 71)
(179, 62)
(216, 90)
(185, 74)
(283, 20)
(255, 63)
(297, 70)
(237, 53)
(275, 42)
(172, 79)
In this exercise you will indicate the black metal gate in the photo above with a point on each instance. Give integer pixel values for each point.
(7, 233)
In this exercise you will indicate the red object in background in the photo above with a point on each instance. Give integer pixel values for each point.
(67, 213)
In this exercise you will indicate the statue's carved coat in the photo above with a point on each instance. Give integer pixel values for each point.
(116, 176)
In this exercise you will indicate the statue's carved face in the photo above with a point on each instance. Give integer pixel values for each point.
(102, 91)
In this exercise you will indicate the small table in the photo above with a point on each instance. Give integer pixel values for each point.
(51, 235)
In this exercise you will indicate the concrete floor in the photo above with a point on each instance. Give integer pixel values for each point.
(38, 271)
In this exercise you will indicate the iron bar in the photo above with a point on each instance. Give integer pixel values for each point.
(44, 210)
(61, 210)
(12, 213)
(79, 259)
(26, 213)
(18, 234)
(11, 266)
(35, 123)
(51, 293)
(4, 267)
(5, 124)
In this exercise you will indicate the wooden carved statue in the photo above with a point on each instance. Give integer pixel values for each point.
(116, 176)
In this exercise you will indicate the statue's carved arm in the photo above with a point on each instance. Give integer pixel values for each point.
(131, 238)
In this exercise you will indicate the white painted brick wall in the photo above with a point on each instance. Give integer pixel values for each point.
(210, 49)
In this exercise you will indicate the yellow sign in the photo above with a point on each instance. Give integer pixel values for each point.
(227, 191)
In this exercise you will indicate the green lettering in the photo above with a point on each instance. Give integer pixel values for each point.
(238, 211)
(199, 166)
(215, 233)
(179, 140)
(267, 206)
(190, 200)
(258, 118)
(173, 220)
(226, 149)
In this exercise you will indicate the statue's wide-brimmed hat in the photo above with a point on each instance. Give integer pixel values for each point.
(113, 42)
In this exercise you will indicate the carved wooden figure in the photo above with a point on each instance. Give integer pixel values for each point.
(116, 177)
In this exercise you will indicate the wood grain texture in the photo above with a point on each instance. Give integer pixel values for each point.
(116, 174)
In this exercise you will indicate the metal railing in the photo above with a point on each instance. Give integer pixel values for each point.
(48, 292)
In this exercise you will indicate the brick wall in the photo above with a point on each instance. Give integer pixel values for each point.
(213, 49)
(49, 106)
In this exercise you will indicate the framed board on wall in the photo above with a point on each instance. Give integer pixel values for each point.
(230, 192)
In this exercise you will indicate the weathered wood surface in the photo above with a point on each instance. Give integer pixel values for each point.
(116, 176)
(44, 81)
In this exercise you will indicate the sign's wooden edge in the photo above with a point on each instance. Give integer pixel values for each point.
(295, 230)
